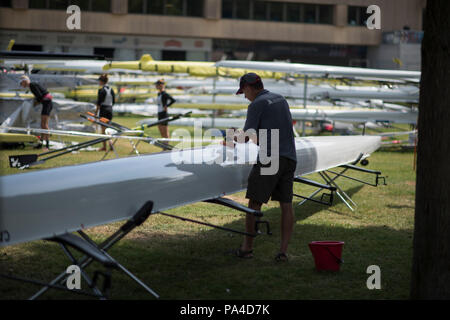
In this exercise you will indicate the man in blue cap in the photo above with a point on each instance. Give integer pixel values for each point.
(269, 111)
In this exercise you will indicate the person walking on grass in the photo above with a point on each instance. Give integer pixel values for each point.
(268, 111)
(105, 102)
(164, 100)
(42, 96)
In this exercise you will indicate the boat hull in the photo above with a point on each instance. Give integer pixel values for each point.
(45, 203)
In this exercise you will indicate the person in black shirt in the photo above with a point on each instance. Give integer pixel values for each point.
(42, 96)
(269, 111)
(105, 101)
(163, 101)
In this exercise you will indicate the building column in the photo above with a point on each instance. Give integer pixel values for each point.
(19, 4)
(119, 6)
(212, 9)
(340, 15)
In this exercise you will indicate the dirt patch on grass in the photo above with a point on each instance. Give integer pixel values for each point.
(410, 183)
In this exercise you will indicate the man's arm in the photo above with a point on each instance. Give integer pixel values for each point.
(244, 136)
(251, 126)
(238, 135)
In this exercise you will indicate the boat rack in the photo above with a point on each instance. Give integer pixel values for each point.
(334, 188)
(92, 252)
(234, 205)
(98, 252)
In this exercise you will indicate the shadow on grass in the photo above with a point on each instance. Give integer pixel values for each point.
(310, 208)
(397, 149)
(395, 206)
(194, 265)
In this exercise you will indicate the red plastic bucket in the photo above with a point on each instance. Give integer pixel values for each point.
(327, 254)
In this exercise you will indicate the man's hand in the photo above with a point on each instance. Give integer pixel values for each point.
(228, 143)
(229, 138)
(243, 137)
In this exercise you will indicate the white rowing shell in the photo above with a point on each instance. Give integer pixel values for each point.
(45, 203)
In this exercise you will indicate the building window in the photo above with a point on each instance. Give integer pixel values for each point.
(136, 6)
(86, 5)
(107, 52)
(58, 4)
(190, 8)
(276, 11)
(194, 8)
(227, 9)
(5, 3)
(357, 16)
(325, 14)
(83, 4)
(155, 6)
(243, 9)
(26, 47)
(172, 55)
(37, 4)
(174, 7)
(292, 12)
(310, 13)
(101, 5)
(260, 10)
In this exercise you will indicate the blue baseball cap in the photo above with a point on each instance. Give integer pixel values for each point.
(248, 78)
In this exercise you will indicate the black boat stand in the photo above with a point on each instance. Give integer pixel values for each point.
(320, 187)
(230, 204)
(93, 252)
(168, 119)
(237, 206)
(333, 187)
(98, 252)
(120, 128)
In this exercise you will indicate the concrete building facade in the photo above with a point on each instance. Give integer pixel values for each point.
(309, 31)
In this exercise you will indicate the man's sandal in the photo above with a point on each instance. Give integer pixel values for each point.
(281, 257)
(243, 254)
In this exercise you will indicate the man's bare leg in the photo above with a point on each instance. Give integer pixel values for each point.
(250, 225)
(287, 224)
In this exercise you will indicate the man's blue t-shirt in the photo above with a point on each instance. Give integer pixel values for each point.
(271, 111)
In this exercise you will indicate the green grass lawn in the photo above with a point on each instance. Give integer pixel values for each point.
(181, 260)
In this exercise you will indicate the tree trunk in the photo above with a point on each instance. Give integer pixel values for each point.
(431, 257)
